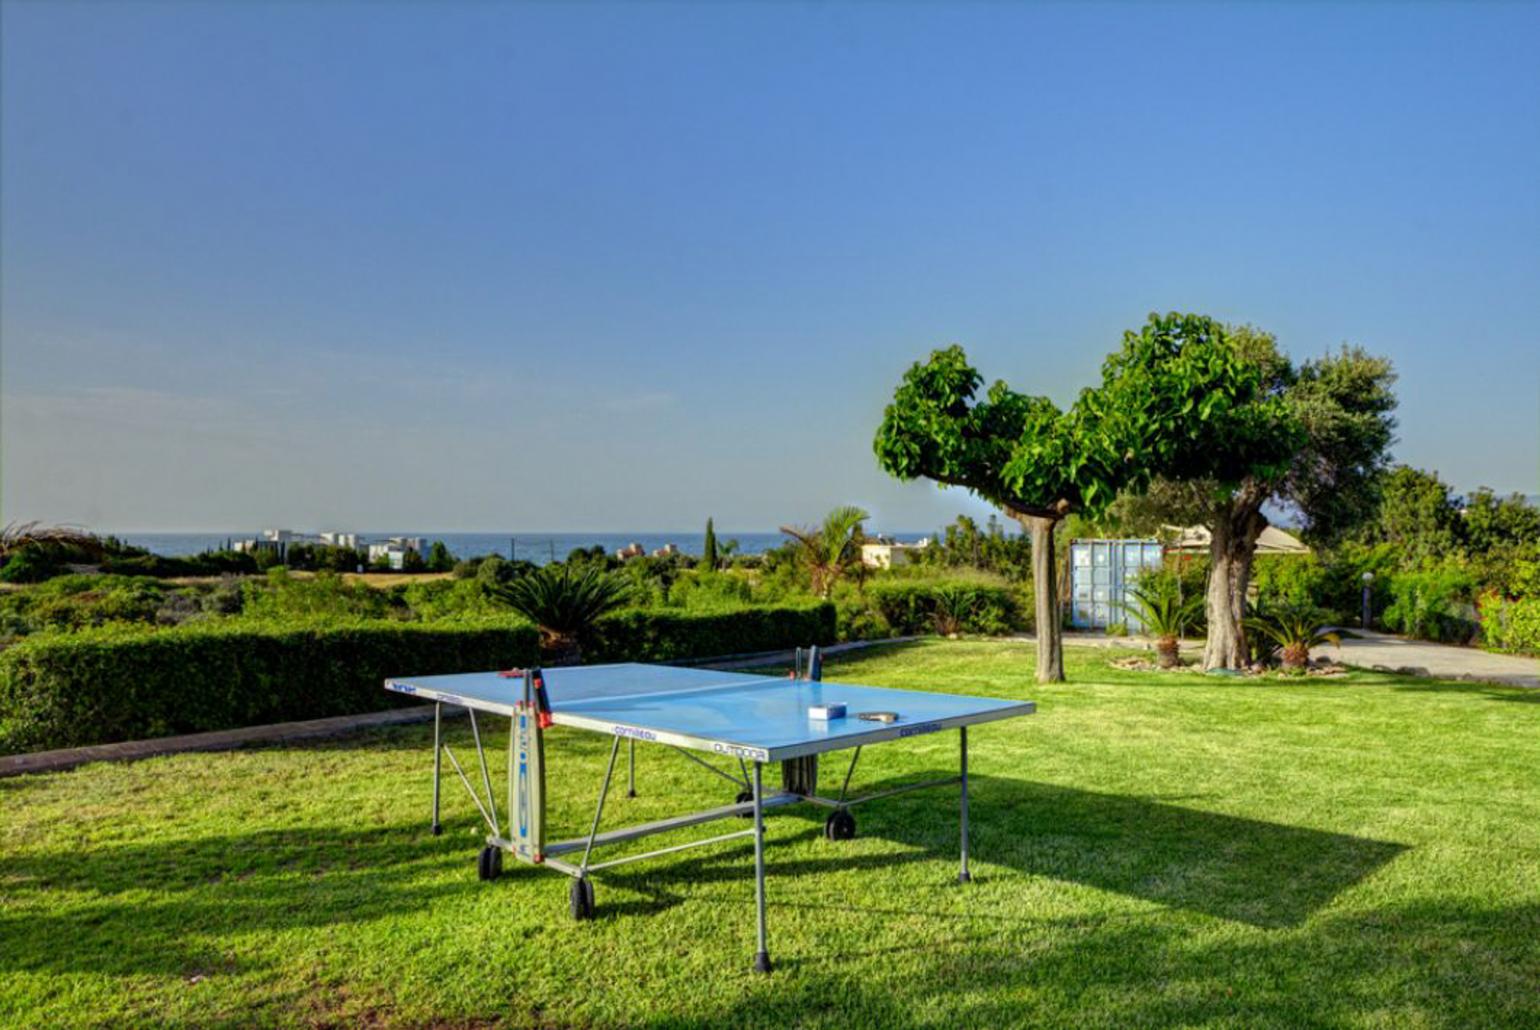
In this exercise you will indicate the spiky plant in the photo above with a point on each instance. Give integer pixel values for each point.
(830, 550)
(1165, 614)
(565, 603)
(1295, 629)
(954, 605)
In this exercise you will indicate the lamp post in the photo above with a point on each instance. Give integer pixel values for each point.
(1368, 578)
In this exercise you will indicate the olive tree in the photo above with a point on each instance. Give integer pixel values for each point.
(1311, 438)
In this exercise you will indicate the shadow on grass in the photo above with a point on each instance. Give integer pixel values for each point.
(1264, 874)
(1435, 964)
(161, 907)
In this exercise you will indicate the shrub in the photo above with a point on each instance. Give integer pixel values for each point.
(1511, 624)
(1433, 604)
(30, 565)
(96, 686)
(911, 606)
(709, 591)
(324, 595)
(662, 635)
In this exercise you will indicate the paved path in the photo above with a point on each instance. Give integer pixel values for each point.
(1381, 650)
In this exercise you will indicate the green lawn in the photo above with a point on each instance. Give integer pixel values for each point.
(1149, 850)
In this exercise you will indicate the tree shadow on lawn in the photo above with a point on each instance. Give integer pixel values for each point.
(1263, 874)
(168, 906)
(1428, 963)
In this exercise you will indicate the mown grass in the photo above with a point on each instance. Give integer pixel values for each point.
(1150, 850)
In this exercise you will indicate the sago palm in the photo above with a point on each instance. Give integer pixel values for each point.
(1166, 616)
(1295, 629)
(828, 551)
(565, 603)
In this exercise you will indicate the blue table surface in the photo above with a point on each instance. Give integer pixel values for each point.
(759, 711)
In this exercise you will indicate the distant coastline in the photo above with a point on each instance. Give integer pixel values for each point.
(535, 547)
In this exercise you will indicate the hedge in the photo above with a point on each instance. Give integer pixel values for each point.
(99, 686)
(664, 635)
(910, 606)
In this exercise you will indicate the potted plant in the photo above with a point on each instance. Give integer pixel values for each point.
(1158, 604)
(1294, 629)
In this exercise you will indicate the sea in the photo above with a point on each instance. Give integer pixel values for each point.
(539, 548)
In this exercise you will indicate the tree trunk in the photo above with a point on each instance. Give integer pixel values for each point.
(1235, 529)
(1045, 588)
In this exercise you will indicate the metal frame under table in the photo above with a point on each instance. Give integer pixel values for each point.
(526, 788)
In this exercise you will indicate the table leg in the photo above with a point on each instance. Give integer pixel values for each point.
(963, 875)
(631, 768)
(438, 760)
(762, 958)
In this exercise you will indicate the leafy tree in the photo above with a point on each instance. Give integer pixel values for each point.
(828, 551)
(1173, 387)
(411, 561)
(1418, 515)
(1312, 438)
(439, 558)
(708, 557)
(565, 602)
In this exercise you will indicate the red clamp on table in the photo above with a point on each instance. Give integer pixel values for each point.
(542, 702)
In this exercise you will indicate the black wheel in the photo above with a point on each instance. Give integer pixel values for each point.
(581, 899)
(489, 864)
(743, 796)
(840, 825)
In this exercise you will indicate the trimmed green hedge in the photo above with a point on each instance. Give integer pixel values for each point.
(98, 686)
(664, 635)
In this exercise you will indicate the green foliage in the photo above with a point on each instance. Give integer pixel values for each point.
(441, 599)
(664, 635)
(564, 601)
(1510, 624)
(706, 591)
(1294, 629)
(829, 551)
(96, 686)
(1343, 402)
(917, 606)
(1197, 401)
(1433, 603)
(1158, 603)
(32, 564)
(209, 563)
(1418, 515)
(74, 602)
(325, 595)
(1017, 451)
(708, 554)
(439, 558)
(964, 544)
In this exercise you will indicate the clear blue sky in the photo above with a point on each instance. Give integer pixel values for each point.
(580, 267)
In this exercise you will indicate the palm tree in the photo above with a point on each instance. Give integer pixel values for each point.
(1295, 629)
(828, 551)
(1165, 614)
(565, 603)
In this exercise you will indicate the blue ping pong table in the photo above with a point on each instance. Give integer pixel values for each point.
(745, 720)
